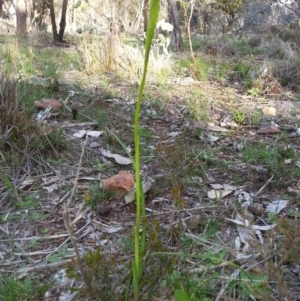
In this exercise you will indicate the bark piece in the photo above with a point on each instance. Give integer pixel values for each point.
(121, 184)
(47, 102)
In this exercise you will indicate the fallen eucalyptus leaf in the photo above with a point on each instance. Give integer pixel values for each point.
(79, 134)
(94, 133)
(119, 159)
(51, 188)
(217, 194)
(28, 181)
(277, 206)
(111, 229)
(130, 197)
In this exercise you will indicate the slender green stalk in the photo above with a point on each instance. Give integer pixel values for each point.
(140, 202)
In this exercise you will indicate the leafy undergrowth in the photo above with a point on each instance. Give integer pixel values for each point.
(223, 205)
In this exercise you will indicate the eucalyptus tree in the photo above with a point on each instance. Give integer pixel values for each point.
(21, 17)
(231, 10)
(58, 36)
(176, 38)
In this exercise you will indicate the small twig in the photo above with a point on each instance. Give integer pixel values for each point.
(35, 253)
(70, 224)
(38, 237)
(71, 125)
(58, 179)
(23, 272)
(263, 187)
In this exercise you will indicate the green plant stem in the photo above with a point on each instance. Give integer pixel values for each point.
(140, 202)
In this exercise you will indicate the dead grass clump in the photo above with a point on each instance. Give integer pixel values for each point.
(111, 55)
(13, 118)
(40, 38)
(277, 48)
(268, 82)
(287, 66)
(288, 71)
(291, 34)
(254, 41)
(99, 54)
(213, 48)
(131, 62)
(110, 49)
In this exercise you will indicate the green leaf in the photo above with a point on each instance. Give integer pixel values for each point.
(64, 250)
(293, 212)
(53, 258)
(181, 295)
(38, 216)
(163, 283)
(77, 4)
(27, 202)
(33, 243)
(7, 182)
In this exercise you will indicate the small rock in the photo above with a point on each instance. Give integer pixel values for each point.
(121, 184)
(194, 222)
(268, 130)
(104, 211)
(232, 124)
(236, 85)
(269, 111)
(228, 141)
(216, 117)
(256, 209)
(94, 144)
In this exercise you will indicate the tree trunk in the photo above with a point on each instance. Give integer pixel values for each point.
(145, 14)
(230, 22)
(21, 17)
(33, 11)
(41, 8)
(177, 44)
(1, 8)
(53, 22)
(62, 24)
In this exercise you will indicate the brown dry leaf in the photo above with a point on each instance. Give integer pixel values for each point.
(121, 184)
(268, 130)
(47, 102)
(269, 111)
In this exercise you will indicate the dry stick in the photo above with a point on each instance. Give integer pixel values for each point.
(189, 29)
(263, 187)
(36, 237)
(24, 271)
(70, 225)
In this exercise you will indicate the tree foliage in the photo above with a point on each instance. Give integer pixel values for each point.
(229, 7)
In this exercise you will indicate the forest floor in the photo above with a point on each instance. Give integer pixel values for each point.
(220, 159)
